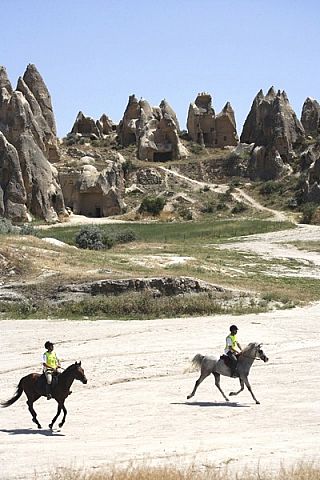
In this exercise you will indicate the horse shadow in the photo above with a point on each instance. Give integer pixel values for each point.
(211, 404)
(31, 431)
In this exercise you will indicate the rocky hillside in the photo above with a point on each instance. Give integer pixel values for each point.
(102, 169)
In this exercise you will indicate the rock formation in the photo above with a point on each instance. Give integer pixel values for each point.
(88, 127)
(209, 129)
(12, 192)
(310, 117)
(310, 166)
(92, 192)
(272, 123)
(28, 180)
(153, 129)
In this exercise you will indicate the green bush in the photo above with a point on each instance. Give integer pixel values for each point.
(308, 210)
(153, 205)
(91, 237)
(6, 226)
(28, 229)
(270, 187)
(125, 236)
(239, 207)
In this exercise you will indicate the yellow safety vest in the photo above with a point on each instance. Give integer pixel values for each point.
(233, 340)
(51, 359)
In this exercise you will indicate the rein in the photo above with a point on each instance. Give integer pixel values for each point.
(247, 356)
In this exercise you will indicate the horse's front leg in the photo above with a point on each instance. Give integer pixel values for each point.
(55, 417)
(250, 390)
(241, 388)
(33, 413)
(217, 382)
(64, 415)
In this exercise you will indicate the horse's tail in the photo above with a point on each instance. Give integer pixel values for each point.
(197, 360)
(15, 397)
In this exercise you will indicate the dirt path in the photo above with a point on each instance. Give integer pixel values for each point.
(135, 407)
(277, 245)
(237, 194)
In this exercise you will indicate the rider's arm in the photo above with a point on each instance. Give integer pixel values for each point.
(239, 346)
(44, 359)
(229, 344)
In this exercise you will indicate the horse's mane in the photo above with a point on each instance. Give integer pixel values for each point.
(69, 368)
(250, 347)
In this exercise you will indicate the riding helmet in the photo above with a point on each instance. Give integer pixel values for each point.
(48, 344)
(233, 327)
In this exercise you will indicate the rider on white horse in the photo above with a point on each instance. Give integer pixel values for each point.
(233, 348)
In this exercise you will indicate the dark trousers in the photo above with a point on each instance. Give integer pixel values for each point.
(233, 360)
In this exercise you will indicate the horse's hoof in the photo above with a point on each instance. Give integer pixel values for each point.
(227, 400)
(231, 394)
(189, 396)
(60, 425)
(39, 426)
(257, 402)
(50, 426)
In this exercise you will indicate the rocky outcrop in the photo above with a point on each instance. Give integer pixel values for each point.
(85, 126)
(34, 82)
(166, 286)
(310, 165)
(27, 123)
(272, 123)
(153, 129)
(310, 117)
(209, 129)
(266, 164)
(12, 192)
(88, 127)
(94, 192)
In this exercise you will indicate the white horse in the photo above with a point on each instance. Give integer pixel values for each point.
(218, 367)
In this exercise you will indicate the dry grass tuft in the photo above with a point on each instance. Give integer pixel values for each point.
(302, 471)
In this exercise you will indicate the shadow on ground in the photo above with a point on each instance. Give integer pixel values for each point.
(211, 404)
(30, 431)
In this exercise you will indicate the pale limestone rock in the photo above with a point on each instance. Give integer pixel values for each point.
(272, 123)
(209, 129)
(310, 117)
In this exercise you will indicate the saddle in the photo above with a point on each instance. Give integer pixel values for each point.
(228, 363)
(42, 382)
(226, 360)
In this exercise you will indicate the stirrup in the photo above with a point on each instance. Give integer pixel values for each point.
(49, 396)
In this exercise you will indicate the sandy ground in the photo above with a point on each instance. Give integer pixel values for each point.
(134, 406)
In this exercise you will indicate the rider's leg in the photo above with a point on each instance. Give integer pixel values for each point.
(48, 374)
(234, 362)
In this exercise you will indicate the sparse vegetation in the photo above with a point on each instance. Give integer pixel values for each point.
(302, 471)
(6, 227)
(145, 305)
(93, 237)
(152, 205)
(308, 212)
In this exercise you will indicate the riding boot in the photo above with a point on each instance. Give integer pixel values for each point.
(48, 391)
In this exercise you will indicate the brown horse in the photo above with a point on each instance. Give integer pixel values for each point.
(33, 385)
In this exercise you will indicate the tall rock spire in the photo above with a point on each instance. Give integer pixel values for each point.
(37, 86)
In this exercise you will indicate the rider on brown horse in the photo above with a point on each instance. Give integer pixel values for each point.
(50, 363)
(231, 350)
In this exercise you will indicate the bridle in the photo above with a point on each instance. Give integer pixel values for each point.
(249, 356)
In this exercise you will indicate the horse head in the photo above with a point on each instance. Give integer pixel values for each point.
(260, 353)
(79, 373)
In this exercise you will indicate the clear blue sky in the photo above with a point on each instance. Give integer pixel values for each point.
(93, 54)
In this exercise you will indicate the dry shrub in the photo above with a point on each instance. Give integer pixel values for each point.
(301, 471)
